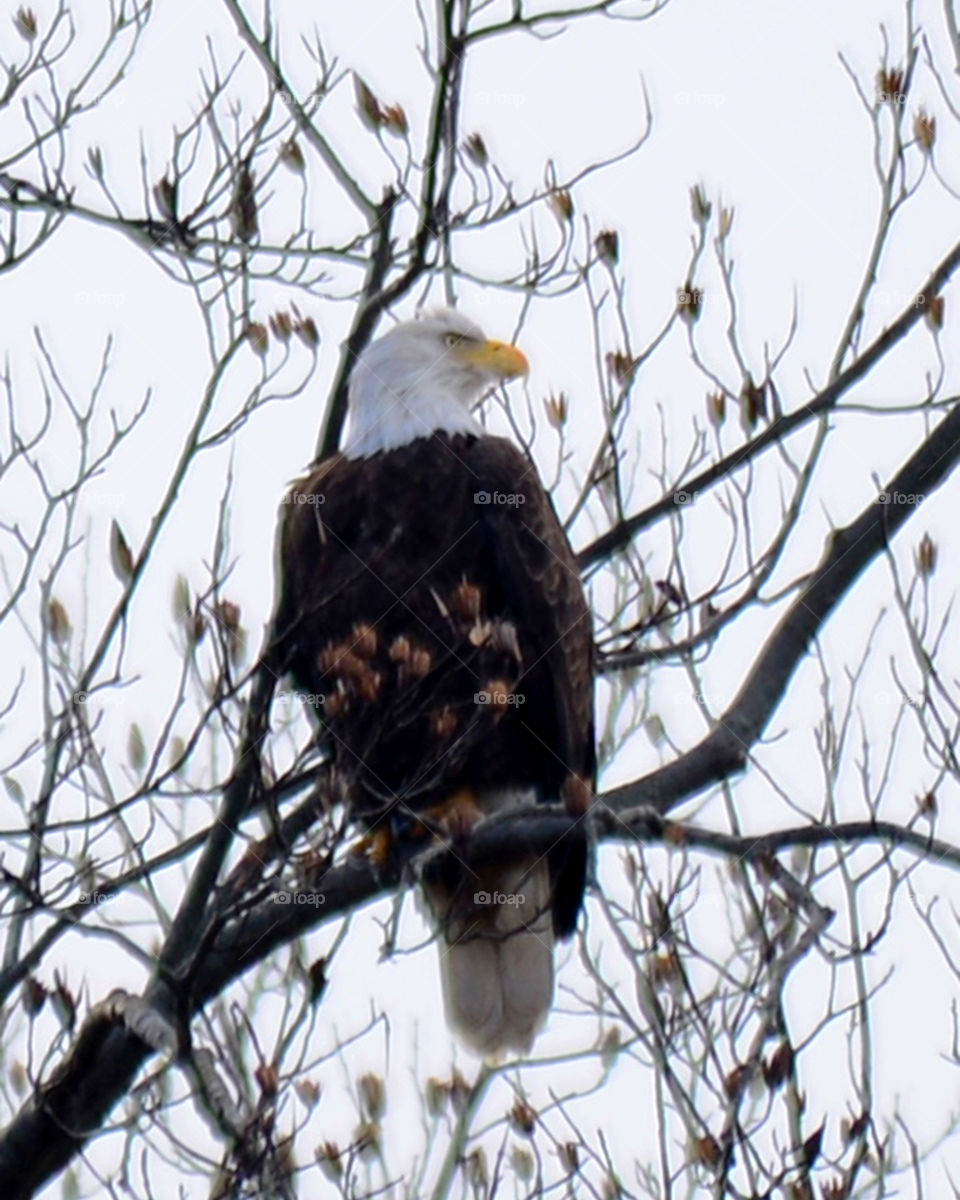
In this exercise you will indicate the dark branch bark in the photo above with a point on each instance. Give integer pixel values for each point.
(849, 552)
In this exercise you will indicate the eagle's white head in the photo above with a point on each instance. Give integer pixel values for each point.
(422, 377)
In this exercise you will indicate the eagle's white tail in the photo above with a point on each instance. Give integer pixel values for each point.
(496, 955)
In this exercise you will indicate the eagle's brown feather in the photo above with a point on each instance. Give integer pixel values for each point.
(443, 634)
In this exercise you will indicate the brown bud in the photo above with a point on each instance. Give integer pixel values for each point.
(58, 622)
(292, 156)
(706, 1151)
(258, 337)
(243, 207)
(522, 1163)
(180, 601)
(934, 313)
(306, 330)
(196, 628)
(523, 1118)
(317, 974)
(395, 120)
(459, 1093)
(165, 194)
(64, 1005)
(557, 408)
(268, 1079)
(478, 1173)
(927, 556)
(34, 995)
(308, 1090)
(281, 326)
(607, 245)
(778, 1066)
(136, 748)
(26, 23)
(373, 1096)
(621, 366)
(368, 105)
(689, 302)
(329, 1161)
(121, 556)
(753, 404)
(569, 1156)
(610, 1048)
(561, 202)
(700, 206)
(228, 614)
(436, 1094)
(736, 1080)
(890, 85)
(476, 150)
(925, 130)
(716, 408)
(366, 1138)
(836, 1189)
(665, 968)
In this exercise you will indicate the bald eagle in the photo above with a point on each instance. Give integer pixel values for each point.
(431, 608)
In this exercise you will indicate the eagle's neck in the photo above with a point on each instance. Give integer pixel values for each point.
(384, 419)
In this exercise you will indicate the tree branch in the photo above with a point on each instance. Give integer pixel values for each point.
(625, 531)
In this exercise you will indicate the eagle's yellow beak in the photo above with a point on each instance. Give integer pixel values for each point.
(500, 358)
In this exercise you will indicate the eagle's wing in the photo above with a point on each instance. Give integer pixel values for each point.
(542, 588)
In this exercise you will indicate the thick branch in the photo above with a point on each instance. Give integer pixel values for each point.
(849, 552)
(56, 1123)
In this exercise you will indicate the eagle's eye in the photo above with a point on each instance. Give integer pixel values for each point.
(453, 339)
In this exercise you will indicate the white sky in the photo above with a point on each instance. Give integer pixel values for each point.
(747, 97)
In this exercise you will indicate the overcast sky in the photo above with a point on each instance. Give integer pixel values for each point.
(747, 97)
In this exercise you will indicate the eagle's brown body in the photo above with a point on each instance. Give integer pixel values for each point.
(431, 610)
